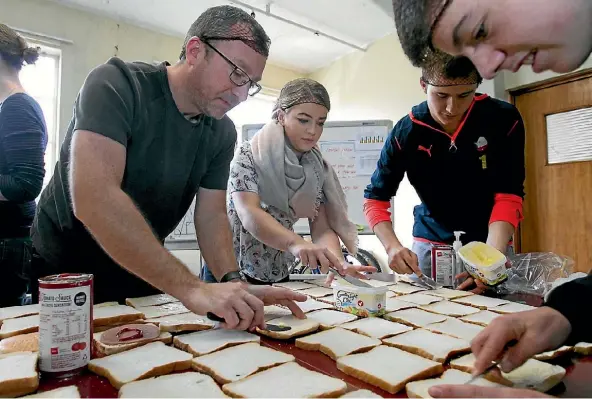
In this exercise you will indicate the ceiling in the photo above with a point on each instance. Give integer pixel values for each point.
(357, 22)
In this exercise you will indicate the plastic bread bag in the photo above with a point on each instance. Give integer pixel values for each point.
(536, 273)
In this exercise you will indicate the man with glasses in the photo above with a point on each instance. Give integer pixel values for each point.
(143, 142)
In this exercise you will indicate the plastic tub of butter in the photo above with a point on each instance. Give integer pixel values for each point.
(360, 301)
(484, 262)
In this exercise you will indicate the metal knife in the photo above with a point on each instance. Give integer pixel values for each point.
(386, 277)
(487, 370)
(424, 281)
(352, 280)
(268, 327)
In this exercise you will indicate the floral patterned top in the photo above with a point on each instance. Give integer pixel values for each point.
(256, 259)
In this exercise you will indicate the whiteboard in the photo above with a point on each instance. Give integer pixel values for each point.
(353, 149)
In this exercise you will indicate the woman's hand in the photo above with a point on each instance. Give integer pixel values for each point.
(351, 270)
(314, 255)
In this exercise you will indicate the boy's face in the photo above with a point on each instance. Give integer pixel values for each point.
(449, 104)
(506, 34)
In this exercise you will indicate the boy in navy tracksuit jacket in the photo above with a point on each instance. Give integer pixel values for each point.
(463, 153)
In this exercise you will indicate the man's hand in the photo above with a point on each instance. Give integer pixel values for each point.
(314, 255)
(278, 296)
(475, 391)
(534, 331)
(403, 261)
(475, 286)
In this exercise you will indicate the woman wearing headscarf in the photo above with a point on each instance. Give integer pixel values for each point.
(279, 177)
(23, 138)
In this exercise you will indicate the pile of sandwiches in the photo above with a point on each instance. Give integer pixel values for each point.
(423, 340)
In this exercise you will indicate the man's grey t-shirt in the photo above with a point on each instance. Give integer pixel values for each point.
(168, 159)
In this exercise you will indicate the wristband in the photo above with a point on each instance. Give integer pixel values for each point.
(231, 276)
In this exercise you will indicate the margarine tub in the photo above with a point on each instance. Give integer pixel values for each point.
(484, 262)
(360, 301)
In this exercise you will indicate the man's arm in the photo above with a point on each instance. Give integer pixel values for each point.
(500, 234)
(213, 232)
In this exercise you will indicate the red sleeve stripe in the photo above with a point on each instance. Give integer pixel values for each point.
(398, 144)
(513, 127)
(376, 212)
(507, 208)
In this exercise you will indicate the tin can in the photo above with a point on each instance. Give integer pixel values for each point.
(65, 323)
(443, 264)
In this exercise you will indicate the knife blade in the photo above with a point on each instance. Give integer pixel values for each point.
(352, 280)
(424, 281)
(386, 277)
(487, 370)
(268, 327)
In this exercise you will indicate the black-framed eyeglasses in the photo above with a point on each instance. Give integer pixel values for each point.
(238, 76)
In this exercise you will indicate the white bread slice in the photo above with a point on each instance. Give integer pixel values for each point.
(361, 393)
(328, 299)
(116, 314)
(388, 368)
(451, 309)
(415, 317)
(274, 312)
(378, 283)
(554, 354)
(183, 385)
(512, 307)
(204, 342)
(393, 304)
(376, 328)
(536, 375)
(13, 312)
(330, 318)
(317, 292)
(583, 348)
(238, 362)
(404, 288)
(18, 326)
(103, 304)
(290, 380)
(420, 298)
(481, 302)
(18, 374)
(105, 350)
(118, 324)
(456, 328)
(337, 342)
(481, 318)
(420, 389)
(437, 347)
(294, 285)
(448, 293)
(20, 343)
(68, 392)
(464, 363)
(310, 305)
(152, 312)
(183, 322)
(150, 360)
(298, 328)
(150, 300)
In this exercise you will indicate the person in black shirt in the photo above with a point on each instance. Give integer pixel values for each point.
(463, 153)
(23, 138)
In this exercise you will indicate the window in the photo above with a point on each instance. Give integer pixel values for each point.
(41, 81)
(256, 109)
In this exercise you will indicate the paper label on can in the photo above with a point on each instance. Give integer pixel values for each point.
(64, 328)
(443, 267)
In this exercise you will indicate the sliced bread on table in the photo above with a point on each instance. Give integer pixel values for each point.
(152, 312)
(150, 300)
(310, 305)
(512, 307)
(182, 322)
(18, 374)
(183, 385)
(420, 298)
(337, 342)
(448, 293)
(294, 285)
(330, 318)
(404, 288)
(274, 312)
(481, 318)
(328, 299)
(583, 348)
(376, 328)
(103, 304)
(437, 347)
(289, 380)
(378, 283)
(20, 343)
(118, 324)
(388, 368)
(415, 317)
(456, 328)
(116, 314)
(238, 362)
(68, 392)
(298, 327)
(18, 326)
(420, 389)
(203, 342)
(554, 354)
(317, 292)
(394, 303)
(481, 302)
(361, 393)
(150, 360)
(102, 349)
(13, 312)
(451, 309)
